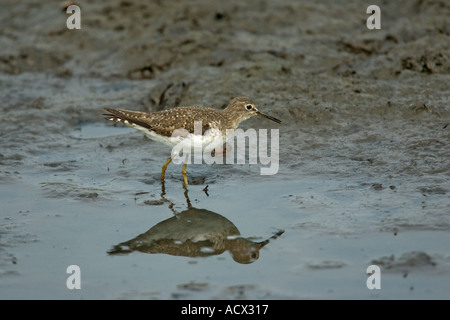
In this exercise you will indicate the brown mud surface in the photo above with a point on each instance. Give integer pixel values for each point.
(364, 148)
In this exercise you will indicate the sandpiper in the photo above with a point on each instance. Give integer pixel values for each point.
(168, 126)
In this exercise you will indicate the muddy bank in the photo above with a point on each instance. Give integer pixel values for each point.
(364, 144)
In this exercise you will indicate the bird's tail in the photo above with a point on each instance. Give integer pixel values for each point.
(129, 118)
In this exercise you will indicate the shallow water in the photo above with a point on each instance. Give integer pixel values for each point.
(364, 153)
(323, 252)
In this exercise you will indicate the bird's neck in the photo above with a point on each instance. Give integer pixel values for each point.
(231, 119)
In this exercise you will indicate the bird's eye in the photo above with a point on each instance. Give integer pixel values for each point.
(249, 107)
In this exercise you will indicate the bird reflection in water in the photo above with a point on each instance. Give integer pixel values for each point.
(194, 233)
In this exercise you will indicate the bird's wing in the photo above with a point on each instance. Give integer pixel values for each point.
(166, 121)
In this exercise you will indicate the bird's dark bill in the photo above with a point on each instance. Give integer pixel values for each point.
(259, 113)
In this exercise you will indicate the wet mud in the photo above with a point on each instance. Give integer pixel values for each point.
(364, 149)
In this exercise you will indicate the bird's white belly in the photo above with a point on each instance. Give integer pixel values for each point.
(190, 143)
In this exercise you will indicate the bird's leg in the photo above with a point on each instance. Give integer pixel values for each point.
(164, 167)
(183, 170)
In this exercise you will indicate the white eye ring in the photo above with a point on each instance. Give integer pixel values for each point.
(249, 107)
